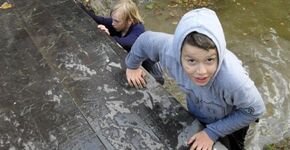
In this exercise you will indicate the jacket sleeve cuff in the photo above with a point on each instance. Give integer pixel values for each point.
(213, 136)
(133, 61)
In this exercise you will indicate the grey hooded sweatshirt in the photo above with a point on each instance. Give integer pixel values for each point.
(230, 100)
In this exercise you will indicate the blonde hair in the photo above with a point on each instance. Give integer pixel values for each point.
(129, 10)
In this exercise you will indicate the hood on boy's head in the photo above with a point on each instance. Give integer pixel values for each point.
(203, 21)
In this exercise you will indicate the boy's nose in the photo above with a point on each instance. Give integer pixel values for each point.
(201, 69)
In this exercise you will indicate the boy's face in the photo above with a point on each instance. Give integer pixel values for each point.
(119, 22)
(199, 64)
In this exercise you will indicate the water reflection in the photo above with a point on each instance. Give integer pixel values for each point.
(259, 33)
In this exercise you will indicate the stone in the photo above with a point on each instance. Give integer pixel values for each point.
(63, 86)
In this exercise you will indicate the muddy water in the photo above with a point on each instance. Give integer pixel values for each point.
(258, 32)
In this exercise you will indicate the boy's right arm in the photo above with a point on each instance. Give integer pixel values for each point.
(149, 45)
(134, 73)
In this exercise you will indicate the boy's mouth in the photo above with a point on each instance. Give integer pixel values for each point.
(201, 80)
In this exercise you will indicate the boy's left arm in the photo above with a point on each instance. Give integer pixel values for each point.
(249, 107)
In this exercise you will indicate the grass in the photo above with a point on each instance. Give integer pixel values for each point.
(282, 145)
(172, 88)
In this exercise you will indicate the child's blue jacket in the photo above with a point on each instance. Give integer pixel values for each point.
(125, 41)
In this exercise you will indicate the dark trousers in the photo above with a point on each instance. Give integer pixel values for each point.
(235, 141)
(154, 69)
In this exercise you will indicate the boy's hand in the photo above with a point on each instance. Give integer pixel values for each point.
(200, 141)
(136, 78)
(103, 28)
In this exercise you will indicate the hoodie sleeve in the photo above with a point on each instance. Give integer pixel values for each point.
(149, 45)
(249, 107)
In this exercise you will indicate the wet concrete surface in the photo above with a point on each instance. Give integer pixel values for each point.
(63, 86)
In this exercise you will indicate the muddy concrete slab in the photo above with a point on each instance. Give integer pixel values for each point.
(63, 86)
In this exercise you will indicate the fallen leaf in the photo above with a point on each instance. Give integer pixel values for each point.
(6, 5)
(174, 22)
(173, 6)
(149, 6)
(171, 14)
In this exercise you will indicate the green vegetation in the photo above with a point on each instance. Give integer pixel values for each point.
(187, 4)
(172, 88)
(282, 145)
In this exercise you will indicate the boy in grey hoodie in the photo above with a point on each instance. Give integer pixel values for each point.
(219, 92)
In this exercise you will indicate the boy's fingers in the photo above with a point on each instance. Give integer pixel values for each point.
(137, 84)
(136, 78)
(193, 146)
(102, 27)
(143, 74)
(143, 82)
(143, 79)
(191, 140)
(130, 82)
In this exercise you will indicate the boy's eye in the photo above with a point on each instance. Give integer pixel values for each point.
(191, 61)
(211, 60)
